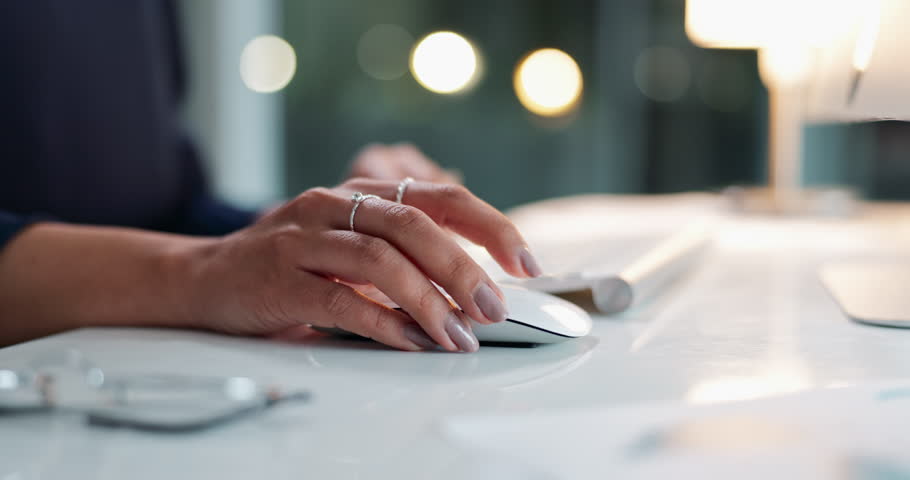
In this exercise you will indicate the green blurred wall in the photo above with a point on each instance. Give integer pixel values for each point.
(619, 140)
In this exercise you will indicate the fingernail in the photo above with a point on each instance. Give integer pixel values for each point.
(490, 304)
(529, 263)
(416, 334)
(460, 334)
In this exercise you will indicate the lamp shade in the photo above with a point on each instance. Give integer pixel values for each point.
(857, 51)
(727, 23)
(865, 73)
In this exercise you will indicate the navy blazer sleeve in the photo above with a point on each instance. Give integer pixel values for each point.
(205, 215)
(92, 130)
(10, 225)
(202, 212)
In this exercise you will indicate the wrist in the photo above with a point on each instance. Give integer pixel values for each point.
(183, 266)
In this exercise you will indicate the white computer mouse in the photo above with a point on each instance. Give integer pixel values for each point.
(534, 318)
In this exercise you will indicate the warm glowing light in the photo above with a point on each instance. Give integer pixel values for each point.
(865, 42)
(444, 62)
(548, 82)
(267, 64)
(727, 23)
(729, 389)
(382, 51)
(825, 21)
(784, 66)
(753, 24)
(662, 73)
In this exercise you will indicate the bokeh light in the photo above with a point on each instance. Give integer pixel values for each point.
(777, 380)
(662, 73)
(382, 51)
(729, 23)
(548, 82)
(868, 34)
(784, 66)
(444, 62)
(754, 24)
(267, 64)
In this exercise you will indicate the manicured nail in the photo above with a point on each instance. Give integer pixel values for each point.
(529, 263)
(460, 334)
(490, 304)
(416, 334)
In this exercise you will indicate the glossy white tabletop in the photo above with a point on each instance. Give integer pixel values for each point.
(753, 320)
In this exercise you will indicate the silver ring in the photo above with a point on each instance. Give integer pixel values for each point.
(402, 186)
(358, 198)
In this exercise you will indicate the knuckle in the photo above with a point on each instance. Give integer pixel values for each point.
(407, 147)
(272, 311)
(426, 299)
(314, 195)
(285, 241)
(508, 230)
(314, 200)
(380, 323)
(405, 217)
(355, 183)
(339, 301)
(372, 148)
(460, 267)
(453, 192)
(373, 251)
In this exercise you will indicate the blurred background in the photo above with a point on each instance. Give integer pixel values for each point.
(638, 107)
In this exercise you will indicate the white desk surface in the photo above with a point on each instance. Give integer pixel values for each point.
(752, 321)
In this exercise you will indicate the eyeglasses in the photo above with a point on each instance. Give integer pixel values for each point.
(68, 381)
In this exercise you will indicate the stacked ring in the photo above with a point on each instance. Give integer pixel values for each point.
(402, 186)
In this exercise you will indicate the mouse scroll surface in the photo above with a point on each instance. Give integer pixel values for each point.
(545, 311)
(534, 318)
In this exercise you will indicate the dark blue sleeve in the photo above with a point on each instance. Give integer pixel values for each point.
(202, 213)
(207, 215)
(10, 225)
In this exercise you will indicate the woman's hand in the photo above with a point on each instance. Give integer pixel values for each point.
(394, 162)
(292, 267)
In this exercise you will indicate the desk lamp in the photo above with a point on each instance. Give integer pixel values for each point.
(857, 70)
(790, 37)
(865, 75)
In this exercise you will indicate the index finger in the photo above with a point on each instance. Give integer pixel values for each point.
(455, 207)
